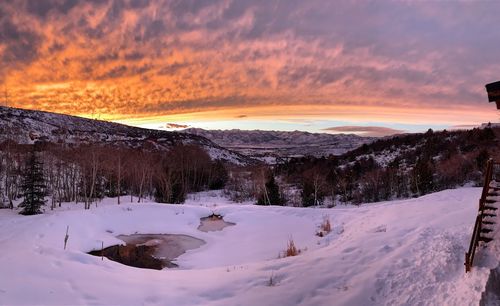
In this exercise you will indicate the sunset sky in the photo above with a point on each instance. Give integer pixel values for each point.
(370, 67)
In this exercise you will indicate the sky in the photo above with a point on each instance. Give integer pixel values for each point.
(368, 67)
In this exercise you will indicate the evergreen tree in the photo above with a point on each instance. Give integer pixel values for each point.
(307, 194)
(486, 134)
(423, 176)
(271, 194)
(33, 186)
(481, 159)
(219, 176)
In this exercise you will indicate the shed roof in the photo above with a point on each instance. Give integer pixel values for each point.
(493, 90)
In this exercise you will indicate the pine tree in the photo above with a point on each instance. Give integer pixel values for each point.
(481, 159)
(307, 194)
(219, 176)
(423, 176)
(33, 186)
(271, 194)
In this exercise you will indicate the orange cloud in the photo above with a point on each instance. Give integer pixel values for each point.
(146, 60)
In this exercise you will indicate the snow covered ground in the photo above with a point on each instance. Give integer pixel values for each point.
(407, 252)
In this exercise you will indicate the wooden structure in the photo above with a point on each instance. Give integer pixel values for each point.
(485, 219)
(486, 214)
(493, 90)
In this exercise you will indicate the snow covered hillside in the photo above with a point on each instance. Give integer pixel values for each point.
(270, 145)
(405, 252)
(26, 126)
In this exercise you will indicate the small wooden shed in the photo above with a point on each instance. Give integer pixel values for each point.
(493, 90)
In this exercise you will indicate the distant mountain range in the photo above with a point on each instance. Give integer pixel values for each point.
(272, 145)
(235, 146)
(28, 126)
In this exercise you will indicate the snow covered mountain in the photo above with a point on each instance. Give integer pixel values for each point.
(270, 145)
(28, 126)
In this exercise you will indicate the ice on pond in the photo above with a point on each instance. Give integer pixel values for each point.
(213, 223)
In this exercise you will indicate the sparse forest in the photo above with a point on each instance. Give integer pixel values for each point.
(85, 174)
(396, 167)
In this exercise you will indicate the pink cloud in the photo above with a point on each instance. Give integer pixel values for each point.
(372, 131)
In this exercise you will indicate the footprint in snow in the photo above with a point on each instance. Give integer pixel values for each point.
(56, 264)
(386, 249)
(275, 267)
(380, 229)
(90, 299)
(152, 299)
(348, 250)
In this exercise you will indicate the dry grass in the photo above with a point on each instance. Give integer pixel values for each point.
(272, 280)
(325, 227)
(291, 249)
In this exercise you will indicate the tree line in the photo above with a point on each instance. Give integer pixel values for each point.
(396, 167)
(87, 173)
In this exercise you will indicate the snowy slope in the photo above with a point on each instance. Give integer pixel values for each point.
(26, 126)
(406, 252)
(268, 145)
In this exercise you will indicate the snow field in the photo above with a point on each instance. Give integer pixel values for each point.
(407, 252)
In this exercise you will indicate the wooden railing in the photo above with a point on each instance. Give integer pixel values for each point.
(478, 226)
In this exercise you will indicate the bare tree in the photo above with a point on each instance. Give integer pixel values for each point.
(6, 96)
(119, 174)
(12, 171)
(91, 165)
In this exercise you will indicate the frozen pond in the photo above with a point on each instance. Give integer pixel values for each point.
(213, 223)
(166, 246)
(149, 251)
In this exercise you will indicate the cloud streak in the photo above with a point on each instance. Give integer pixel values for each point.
(373, 131)
(157, 57)
(176, 126)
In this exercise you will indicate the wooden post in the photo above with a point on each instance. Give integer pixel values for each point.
(66, 237)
